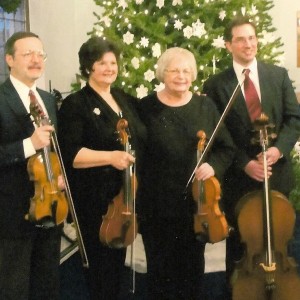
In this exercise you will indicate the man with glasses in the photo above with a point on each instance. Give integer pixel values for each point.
(29, 252)
(270, 91)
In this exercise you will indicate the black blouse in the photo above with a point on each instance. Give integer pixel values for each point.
(86, 120)
(170, 155)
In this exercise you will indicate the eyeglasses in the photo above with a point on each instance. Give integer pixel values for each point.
(30, 53)
(177, 71)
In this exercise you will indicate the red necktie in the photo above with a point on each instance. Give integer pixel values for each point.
(252, 99)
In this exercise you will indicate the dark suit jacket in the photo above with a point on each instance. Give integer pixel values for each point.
(15, 185)
(279, 103)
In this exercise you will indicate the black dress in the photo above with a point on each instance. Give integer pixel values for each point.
(85, 120)
(175, 259)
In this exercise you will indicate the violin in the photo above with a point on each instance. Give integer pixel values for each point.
(266, 221)
(50, 206)
(210, 224)
(119, 225)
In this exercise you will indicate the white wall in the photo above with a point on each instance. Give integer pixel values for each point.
(284, 15)
(63, 26)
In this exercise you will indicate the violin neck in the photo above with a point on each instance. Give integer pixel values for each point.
(201, 187)
(47, 164)
(128, 179)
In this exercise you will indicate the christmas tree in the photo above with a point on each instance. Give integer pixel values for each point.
(143, 29)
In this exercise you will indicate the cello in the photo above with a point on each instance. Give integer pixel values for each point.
(50, 206)
(210, 224)
(266, 222)
(119, 226)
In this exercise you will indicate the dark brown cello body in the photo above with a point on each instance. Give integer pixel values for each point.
(119, 226)
(266, 223)
(210, 224)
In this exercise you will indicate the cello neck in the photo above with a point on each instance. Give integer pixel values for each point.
(262, 125)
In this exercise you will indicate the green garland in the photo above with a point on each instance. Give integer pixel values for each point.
(10, 6)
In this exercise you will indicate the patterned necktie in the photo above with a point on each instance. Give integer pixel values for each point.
(252, 99)
(34, 105)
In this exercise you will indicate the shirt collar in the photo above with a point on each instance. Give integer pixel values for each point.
(22, 89)
(239, 69)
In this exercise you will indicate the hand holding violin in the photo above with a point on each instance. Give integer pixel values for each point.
(121, 159)
(41, 136)
(204, 172)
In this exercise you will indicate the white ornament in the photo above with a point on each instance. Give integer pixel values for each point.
(219, 42)
(177, 2)
(178, 24)
(222, 15)
(149, 75)
(144, 42)
(156, 51)
(135, 63)
(160, 3)
(198, 29)
(188, 32)
(122, 3)
(128, 38)
(141, 91)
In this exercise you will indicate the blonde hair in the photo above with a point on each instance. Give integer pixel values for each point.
(169, 55)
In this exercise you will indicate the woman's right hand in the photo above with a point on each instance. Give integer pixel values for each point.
(121, 159)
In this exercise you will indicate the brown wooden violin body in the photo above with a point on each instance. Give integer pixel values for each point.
(266, 223)
(119, 226)
(210, 224)
(49, 205)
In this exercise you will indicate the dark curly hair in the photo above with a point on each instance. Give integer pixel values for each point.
(92, 50)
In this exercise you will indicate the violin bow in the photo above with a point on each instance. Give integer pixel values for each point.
(220, 122)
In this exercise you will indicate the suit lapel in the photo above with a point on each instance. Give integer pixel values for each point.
(13, 99)
(265, 89)
(239, 108)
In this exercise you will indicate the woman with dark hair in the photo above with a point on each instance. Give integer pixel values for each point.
(94, 157)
